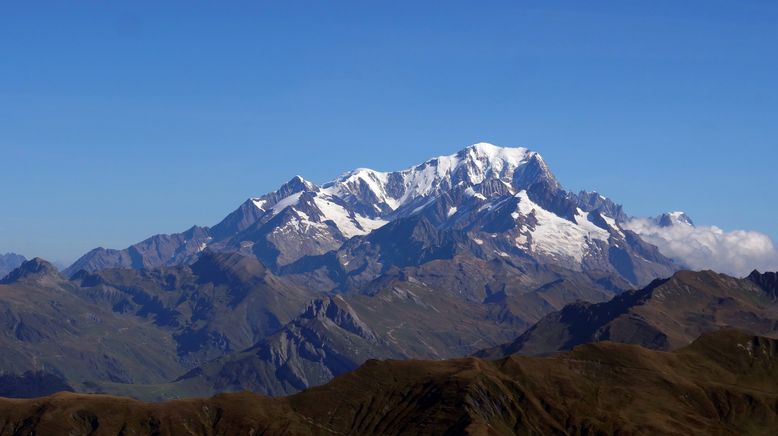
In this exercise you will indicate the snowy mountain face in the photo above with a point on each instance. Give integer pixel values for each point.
(670, 219)
(477, 179)
(402, 193)
(360, 201)
(491, 202)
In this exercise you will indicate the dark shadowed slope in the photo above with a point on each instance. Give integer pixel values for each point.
(224, 302)
(724, 383)
(156, 251)
(665, 315)
(226, 322)
(401, 317)
(426, 312)
(137, 326)
(46, 327)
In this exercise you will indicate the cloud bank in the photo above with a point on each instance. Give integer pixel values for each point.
(735, 253)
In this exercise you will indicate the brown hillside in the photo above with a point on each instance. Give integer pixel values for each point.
(724, 383)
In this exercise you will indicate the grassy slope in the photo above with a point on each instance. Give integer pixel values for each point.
(724, 383)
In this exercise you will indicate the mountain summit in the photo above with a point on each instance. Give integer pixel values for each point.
(9, 262)
(34, 269)
(484, 201)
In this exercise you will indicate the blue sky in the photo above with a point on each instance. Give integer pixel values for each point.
(119, 120)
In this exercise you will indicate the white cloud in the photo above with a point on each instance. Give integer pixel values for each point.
(708, 247)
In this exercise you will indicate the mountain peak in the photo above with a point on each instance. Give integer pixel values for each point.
(9, 262)
(495, 156)
(488, 147)
(674, 218)
(299, 184)
(767, 281)
(36, 268)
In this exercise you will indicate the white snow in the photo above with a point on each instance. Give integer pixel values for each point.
(488, 158)
(470, 192)
(259, 203)
(286, 202)
(349, 183)
(612, 224)
(554, 235)
(302, 224)
(475, 163)
(679, 217)
(425, 204)
(382, 194)
(348, 224)
(582, 219)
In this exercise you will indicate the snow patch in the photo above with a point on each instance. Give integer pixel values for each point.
(556, 236)
(348, 223)
(286, 202)
(259, 203)
(612, 224)
(475, 163)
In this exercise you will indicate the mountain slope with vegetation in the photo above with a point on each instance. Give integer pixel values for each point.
(725, 382)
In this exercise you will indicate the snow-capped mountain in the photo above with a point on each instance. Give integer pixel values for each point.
(395, 194)
(487, 201)
(670, 219)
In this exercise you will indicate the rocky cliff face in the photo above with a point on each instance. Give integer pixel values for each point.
(9, 262)
(768, 282)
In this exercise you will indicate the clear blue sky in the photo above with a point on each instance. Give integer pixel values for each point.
(123, 119)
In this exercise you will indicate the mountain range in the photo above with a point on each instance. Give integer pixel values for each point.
(226, 323)
(666, 315)
(723, 383)
(485, 201)
(480, 253)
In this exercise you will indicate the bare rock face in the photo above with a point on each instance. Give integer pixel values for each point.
(327, 339)
(768, 282)
(9, 262)
(33, 270)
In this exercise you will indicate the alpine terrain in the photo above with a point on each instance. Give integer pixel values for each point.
(461, 254)
(723, 383)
